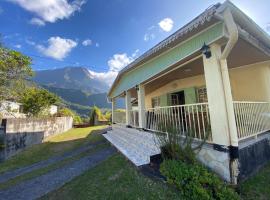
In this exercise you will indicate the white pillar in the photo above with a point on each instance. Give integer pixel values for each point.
(141, 105)
(229, 103)
(128, 107)
(216, 97)
(113, 109)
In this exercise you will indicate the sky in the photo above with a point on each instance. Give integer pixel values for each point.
(102, 35)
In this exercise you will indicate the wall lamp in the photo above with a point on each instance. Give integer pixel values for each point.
(137, 87)
(206, 51)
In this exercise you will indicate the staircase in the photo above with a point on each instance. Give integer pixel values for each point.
(136, 145)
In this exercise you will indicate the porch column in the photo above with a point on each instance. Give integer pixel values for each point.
(216, 97)
(113, 109)
(141, 105)
(128, 107)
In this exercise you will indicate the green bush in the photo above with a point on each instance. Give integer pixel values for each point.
(194, 181)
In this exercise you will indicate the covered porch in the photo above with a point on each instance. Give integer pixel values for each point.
(198, 96)
(209, 80)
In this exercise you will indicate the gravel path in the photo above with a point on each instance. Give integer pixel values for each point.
(23, 170)
(39, 186)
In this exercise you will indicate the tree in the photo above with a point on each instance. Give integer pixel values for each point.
(15, 70)
(36, 101)
(69, 113)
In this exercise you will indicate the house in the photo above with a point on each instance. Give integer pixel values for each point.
(213, 73)
(11, 109)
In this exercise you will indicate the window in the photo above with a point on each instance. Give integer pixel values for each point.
(155, 102)
(202, 95)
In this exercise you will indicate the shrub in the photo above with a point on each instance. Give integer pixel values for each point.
(175, 145)
(65, 112)
(194, 181)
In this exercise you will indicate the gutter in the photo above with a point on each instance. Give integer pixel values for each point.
(233, 148)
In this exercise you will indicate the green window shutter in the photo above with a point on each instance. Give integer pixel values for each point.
(163, 100)
(190, 95)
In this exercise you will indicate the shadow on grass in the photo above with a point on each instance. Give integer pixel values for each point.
(53, 146)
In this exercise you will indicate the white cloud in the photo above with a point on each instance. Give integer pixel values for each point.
(166, 24)
(30, 42)
(37, 21)
(119, 61)
(108, 77)
(50, 10)
(97, 44)
(58, 48)
(87, 42)
(268, 27)
(116, 63)
(149, 36)
(18, 46)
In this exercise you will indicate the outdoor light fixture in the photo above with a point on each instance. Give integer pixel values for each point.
(137, 87)
(206, 51)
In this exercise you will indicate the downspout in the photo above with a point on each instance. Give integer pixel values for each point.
(233, 38)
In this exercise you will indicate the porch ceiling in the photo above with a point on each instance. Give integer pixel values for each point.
(193, 68)
(244, 53)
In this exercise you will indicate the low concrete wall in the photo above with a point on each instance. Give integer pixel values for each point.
(217, 161)
(21, 133)
(253, 154)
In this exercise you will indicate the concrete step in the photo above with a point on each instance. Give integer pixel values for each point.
(142, 142)
(136, 145)
(143, 134)
(132, 154)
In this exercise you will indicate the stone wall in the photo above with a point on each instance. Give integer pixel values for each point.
(21, 133)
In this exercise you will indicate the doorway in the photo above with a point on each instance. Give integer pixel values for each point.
(178, 98)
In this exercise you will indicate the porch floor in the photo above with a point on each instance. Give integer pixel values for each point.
(136, 145)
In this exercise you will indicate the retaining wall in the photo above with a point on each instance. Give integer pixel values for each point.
(21, 133)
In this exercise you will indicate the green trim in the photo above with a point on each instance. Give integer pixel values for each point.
(167, 59)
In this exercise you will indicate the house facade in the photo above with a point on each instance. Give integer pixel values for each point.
(212, 75)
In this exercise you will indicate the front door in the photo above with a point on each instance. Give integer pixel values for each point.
(178, 98)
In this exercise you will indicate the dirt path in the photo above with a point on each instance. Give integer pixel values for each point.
(23, 170)
(39, 186)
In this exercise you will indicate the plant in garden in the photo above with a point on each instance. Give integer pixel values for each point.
(96, 114)
(176, 146)
(65, 112)
(194, 181)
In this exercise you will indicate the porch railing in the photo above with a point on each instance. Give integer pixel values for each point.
(119, 117)
(190, 119)
(252, 118)
(134, 118)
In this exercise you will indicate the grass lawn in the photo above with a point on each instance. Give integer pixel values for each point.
(258, 186)
(55, 145)
(115, 178)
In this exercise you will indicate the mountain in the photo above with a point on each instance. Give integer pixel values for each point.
(80, 97)
(76, 87)
(78, 78)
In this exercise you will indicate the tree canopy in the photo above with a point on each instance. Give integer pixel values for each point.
(15, 70)
(67, 112)
(35, 101)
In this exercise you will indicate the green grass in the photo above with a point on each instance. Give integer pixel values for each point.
(55, 145)
(258, 186)
(51, 167)
(115, 178)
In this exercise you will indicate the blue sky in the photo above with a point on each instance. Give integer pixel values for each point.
(101, 35)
